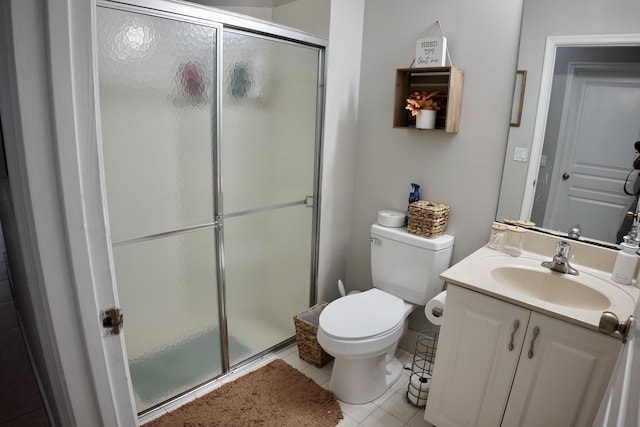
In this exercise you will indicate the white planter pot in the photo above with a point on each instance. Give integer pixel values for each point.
(426, 119)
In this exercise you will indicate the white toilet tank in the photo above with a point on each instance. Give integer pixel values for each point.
(406, 265)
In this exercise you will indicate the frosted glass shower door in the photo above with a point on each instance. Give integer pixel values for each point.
(157, 102)
(268, 157)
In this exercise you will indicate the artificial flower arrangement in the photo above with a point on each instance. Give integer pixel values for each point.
(423, 101)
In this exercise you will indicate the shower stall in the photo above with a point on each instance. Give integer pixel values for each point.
(210, 129)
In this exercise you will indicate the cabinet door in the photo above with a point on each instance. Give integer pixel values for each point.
(475, 363)
(562, 380)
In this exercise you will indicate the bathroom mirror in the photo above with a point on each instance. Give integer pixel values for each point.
(583, 57)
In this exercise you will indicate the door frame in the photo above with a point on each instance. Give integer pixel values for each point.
(551, 45)
(74, 93)
(56, 193)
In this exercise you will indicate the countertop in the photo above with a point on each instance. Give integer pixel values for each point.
(474, 273)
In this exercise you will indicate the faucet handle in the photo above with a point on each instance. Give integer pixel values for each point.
(575, 232)
(562, 248)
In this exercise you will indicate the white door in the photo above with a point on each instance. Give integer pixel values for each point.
(561, 374)
(478, 351)
(602, 108)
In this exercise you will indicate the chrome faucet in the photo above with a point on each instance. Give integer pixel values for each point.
(560, 261)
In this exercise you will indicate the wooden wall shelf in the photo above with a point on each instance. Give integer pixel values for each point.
(446, 80)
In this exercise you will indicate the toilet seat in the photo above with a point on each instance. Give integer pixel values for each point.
(360, 316)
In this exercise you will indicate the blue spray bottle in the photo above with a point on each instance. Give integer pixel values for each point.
(414, 196)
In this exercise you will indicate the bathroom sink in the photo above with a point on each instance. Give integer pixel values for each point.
(523, 281)
(556, 288)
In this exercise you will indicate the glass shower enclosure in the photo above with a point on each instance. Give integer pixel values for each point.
(210, 146)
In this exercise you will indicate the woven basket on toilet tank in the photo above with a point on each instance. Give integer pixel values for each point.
(428, 219)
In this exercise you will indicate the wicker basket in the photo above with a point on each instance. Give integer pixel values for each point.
(306, 330)
(427, 219)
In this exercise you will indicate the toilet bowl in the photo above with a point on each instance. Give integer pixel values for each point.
(361, 331)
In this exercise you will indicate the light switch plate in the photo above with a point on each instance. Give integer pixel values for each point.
(521, 154)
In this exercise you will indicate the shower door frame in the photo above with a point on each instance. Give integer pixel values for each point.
(197, 14)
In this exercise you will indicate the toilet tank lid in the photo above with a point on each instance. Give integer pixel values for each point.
(401, 235)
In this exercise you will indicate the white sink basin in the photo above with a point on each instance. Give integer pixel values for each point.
(563, 289)
(523, 281)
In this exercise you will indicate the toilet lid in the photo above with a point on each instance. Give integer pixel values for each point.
(362, 315)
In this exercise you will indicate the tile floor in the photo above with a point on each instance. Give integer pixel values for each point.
(389, 410)
(20, 401)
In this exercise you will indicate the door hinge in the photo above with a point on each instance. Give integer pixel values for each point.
(112, 320)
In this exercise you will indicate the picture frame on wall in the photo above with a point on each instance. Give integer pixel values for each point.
(518, 98)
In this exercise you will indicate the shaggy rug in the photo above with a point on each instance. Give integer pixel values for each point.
(275, 395)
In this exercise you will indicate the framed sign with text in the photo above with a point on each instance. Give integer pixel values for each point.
(431, 52)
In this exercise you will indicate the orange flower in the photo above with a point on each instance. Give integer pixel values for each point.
(423, 101)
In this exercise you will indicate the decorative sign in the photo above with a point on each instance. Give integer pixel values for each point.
(431, 52)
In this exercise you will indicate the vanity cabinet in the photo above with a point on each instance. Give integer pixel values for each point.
(501, 364)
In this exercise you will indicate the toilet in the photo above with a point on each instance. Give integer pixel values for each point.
(362, 330)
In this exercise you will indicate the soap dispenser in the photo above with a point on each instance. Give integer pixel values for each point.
(414, 196)
(626, 261)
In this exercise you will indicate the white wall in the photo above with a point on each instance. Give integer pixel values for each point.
(542, 18)
(311, 16)
(463, 169)
(340, 137)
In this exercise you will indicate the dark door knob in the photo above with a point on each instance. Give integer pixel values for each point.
(565, 176)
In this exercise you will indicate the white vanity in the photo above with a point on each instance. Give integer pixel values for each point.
(520, 344)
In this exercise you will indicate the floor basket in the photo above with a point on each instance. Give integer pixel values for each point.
(306, 331)
(427, 219)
